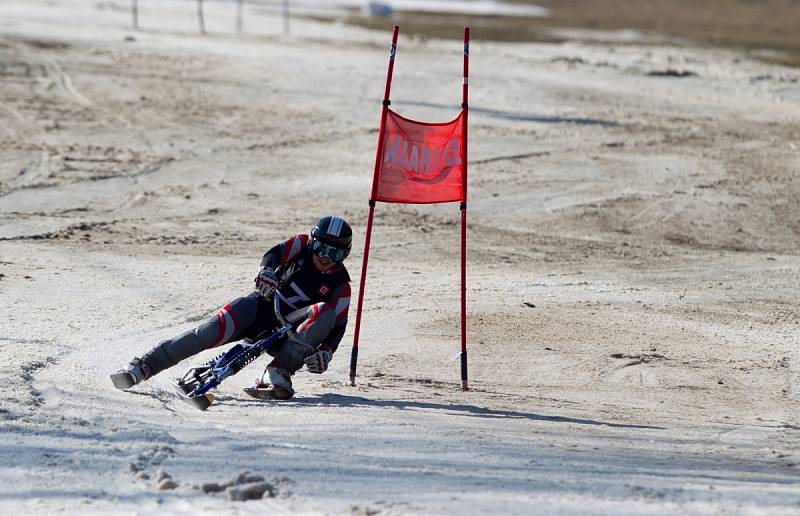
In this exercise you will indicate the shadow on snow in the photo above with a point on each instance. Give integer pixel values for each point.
(341, 400)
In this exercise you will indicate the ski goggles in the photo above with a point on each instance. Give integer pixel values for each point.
(324, 250)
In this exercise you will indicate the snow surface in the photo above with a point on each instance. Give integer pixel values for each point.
(633, 271)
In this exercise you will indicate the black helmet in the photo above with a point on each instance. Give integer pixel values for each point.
(331, 237)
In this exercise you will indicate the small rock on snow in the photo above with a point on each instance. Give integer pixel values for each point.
(211, 487)
(253, 491)
(244, 477)
(167, 483)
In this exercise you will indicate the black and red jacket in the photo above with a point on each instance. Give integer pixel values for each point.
(302, 284)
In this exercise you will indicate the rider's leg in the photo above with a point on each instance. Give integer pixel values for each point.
(233, 322)
(316, 322)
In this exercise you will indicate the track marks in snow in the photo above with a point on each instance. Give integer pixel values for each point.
(152, 457)
(62, 234)
(147, 467)
(165, 397)
(64, 81)
(633, 369)
(28, 370)
(792, 365)
(25, 359)
(57, 165)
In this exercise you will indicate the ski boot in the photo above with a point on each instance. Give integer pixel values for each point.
(133, 374)
(278, 388)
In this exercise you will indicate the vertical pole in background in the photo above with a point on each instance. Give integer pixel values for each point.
(240, 16)
(200, 18)
(378, 160)
(135, 13)
(465, 111)
(286, 17)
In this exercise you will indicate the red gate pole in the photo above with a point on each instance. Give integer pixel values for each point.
(465, 108)
(378, 156)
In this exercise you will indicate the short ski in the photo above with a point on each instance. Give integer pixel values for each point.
(122, 380)
(201, 402)
(269, 393)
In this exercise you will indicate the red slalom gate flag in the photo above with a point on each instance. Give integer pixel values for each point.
(421, 163)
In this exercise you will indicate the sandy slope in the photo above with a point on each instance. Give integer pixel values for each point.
(633, 271)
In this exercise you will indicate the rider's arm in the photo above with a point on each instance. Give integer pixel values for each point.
(340, 301)
(284, 252)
